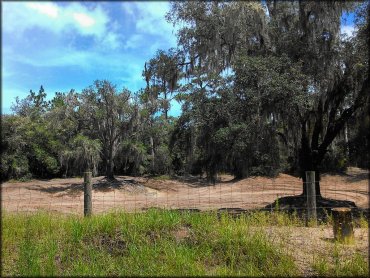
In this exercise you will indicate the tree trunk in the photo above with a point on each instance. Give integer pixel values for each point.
(346, 139)
(110, 174)
(110, 166)
(152, 153)
(165, 99)
(190, 157)
(66, 173)
(309, 161)
(211, 174)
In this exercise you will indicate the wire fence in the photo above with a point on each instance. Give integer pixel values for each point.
(306, 246)
(190, 193)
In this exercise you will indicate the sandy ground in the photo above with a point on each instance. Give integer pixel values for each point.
(306, 244)
(137, 193)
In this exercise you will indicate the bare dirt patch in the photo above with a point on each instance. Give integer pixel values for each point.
(182, 233)
(138, 193)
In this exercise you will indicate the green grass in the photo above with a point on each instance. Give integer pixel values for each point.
(336, 266)
(154, 243)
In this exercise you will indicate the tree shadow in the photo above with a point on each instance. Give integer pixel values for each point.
(102, 185)
(72, 189)
(297, 204)
(197, 182)
(357, 177)
(354, 175)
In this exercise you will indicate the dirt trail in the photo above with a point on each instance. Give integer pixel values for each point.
(137, 193)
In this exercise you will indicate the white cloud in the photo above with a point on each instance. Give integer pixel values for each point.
(149, 18)
(62, 56)
(348, 30)
(50, 9)
(134, 41)
(21, 17)
(111, 40)
(83, 19)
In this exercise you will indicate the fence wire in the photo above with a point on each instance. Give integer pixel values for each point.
(306, 245)
(139, 194)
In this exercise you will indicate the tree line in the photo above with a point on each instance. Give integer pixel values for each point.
(264, 87)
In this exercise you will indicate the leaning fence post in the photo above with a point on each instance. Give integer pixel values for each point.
(311, 196)
(87, 194)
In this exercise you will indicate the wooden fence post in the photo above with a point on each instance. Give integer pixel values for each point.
(311, 197)
(87, 194)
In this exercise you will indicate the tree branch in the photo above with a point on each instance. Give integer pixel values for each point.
(335, 126)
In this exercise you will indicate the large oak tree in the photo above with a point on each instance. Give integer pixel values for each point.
(216, 34)
(107, 115)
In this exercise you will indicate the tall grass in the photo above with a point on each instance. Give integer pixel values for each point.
(335, 265)
(154, 243)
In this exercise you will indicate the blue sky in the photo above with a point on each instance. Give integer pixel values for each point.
(65, 45)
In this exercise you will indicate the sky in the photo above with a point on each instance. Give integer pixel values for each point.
(68, 45)
(63, 45)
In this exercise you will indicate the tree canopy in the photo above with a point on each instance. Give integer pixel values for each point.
(265, 87)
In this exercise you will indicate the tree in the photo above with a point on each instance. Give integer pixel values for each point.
(31, 146)
(14, 162)
(307, 33)
(86, 153)
(337, 82)
(107, 115)
(161, 74)
(62, 118)
(33, 105)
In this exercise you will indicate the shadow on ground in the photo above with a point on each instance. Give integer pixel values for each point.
(103, 185)
(297, 204)
(352, 174)
(196, 181)
(357, 177)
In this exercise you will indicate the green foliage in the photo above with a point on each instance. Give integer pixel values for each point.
(42, 149)
(292, 75)
(335, 160)
(261, 93)
(232, 126)
(357, 266)
(109, 116)
(29, 147)
(161, 75)
(31, 106)
(133, 158)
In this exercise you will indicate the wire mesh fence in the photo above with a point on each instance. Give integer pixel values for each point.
(306, 245)
(139, 194)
